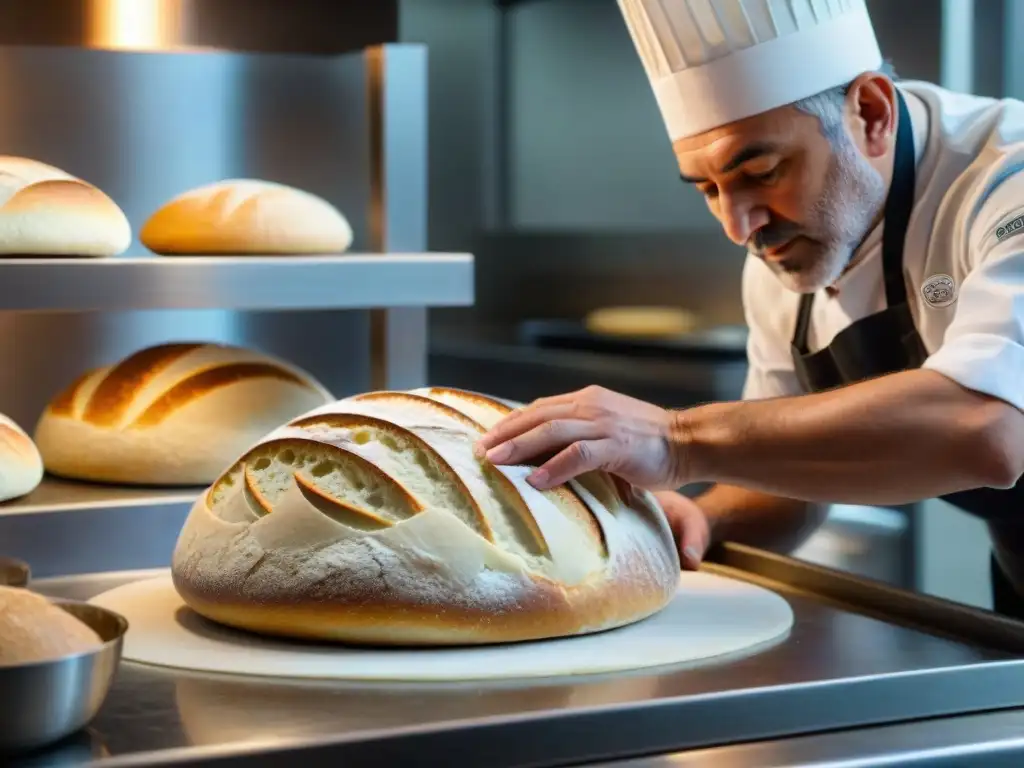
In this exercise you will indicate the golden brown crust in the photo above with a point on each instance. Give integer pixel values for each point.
(206, 381)
(353, 608)
(353, 421)
(113, 396)
(426, 402)
(64, 403)
(473, 397)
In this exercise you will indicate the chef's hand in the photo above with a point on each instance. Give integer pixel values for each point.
(689, 525)
(588, 430)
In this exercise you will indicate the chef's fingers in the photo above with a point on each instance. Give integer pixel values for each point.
(516, 424)
(544, 439)
(500, 429)
(692, 543)
(582, 456)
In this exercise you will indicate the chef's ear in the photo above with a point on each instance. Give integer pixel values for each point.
(872, 113)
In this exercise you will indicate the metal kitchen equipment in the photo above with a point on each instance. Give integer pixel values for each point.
(861, 657)
(191, 95)
(46, 701)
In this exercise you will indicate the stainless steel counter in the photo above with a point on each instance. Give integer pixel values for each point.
(835, 670)
(992, 739)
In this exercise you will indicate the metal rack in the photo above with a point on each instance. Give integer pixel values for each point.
(355, 321)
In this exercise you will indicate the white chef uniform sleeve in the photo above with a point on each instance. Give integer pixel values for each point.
(983, 348)
(770, 371)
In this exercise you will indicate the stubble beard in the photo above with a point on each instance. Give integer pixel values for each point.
(853, 197)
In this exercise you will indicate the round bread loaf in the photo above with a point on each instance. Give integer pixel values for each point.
(370, 520)
(171, 414)
(246, 217)
(34, 629)
(641, 322)
(45, 211)
(21, 466)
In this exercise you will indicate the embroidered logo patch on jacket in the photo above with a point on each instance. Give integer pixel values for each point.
(1013, 227)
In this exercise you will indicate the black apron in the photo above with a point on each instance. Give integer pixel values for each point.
(888, 342)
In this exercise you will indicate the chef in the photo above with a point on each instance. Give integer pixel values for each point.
(883, 289)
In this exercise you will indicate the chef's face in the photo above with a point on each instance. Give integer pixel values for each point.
(797, 198)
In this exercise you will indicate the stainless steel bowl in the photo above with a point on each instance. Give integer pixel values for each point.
(44, 702)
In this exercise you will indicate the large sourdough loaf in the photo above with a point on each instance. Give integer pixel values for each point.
(21, 466)
(171, 414)
(45, 211)
(246, 217)
(370, 520)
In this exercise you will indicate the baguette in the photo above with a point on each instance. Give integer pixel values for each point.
(171, 414)
(369, 520)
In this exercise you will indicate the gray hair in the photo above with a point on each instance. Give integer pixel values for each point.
(828, 105)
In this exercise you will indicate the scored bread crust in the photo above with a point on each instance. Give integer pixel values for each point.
(170, 414)
(298, 538)
(45, 211)
(246, 217)
(21, 466)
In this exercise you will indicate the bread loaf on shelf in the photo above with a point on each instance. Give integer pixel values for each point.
(370, 520)
(246, 217)
(45, 211)
(21, 466)
(171, 414)
(32, 629)
(641, 322)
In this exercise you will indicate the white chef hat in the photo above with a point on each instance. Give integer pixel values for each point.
(712, 62)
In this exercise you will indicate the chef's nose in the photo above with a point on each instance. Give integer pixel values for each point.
(741, 219)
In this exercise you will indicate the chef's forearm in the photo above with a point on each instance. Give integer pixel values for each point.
(890, 440)
(759, 519)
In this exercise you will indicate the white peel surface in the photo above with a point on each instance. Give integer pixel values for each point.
(710, 616)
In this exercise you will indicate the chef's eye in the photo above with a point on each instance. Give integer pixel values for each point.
(710, 191)
(768, 177)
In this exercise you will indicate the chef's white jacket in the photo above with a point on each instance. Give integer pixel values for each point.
(967, 225)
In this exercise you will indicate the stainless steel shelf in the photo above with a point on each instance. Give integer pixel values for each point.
(55, 495)
(349, 281)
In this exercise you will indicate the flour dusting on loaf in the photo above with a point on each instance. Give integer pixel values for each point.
(171, 414)
(370, 520)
